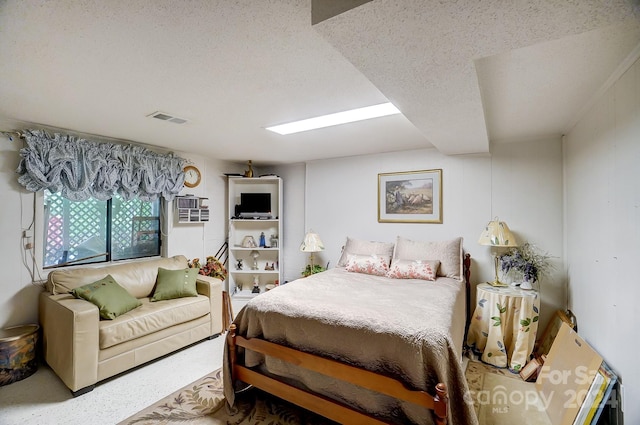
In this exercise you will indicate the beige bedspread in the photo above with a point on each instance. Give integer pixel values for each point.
(411, 330)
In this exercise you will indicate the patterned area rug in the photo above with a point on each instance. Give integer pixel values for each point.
(475, 373)
(202, 402)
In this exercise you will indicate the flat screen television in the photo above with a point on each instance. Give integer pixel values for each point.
(255, 204)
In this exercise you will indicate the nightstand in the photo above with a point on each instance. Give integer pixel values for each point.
(504, 325)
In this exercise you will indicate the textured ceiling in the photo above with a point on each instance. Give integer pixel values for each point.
(463, 73)
(438, 59)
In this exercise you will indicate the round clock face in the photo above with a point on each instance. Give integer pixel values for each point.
(191, 176)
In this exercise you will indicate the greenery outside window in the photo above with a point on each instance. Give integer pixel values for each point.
(93, 231)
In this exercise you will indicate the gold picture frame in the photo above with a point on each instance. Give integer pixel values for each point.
(410, 197)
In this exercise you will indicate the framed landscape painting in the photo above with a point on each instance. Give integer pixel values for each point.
(410, 197)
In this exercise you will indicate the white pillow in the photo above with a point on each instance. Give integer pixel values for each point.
(368, 264)
(360, 247)
(449, 253)
(413, 269)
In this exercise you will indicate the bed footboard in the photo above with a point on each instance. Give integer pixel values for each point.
(319, 404)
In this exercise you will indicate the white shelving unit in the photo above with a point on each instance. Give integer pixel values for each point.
(240, 282)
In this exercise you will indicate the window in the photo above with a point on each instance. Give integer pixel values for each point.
(95, 231)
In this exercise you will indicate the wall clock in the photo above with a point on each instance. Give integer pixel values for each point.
(192, 176)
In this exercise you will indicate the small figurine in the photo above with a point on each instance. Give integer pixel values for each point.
(254, 254)
(239, 265)
(249, 242)
(274, 241)
(269, 267)
(249, 172)
(263, 242)
(256, 285)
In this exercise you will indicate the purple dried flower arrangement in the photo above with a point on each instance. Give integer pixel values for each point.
(526, 262)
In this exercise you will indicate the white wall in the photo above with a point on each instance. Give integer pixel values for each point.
(201, 240)
(602, 171)
(19, 296)
(521, 183)
(293, 188)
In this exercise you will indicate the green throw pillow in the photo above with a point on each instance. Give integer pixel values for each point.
(111, 298)
(175, 284)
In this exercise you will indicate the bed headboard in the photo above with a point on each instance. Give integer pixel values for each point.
(466, 271)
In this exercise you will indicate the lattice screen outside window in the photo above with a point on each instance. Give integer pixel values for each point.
(77, 232)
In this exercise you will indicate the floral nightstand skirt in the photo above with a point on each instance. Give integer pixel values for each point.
(504, 325)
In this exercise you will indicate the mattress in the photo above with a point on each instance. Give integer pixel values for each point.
(408, 329)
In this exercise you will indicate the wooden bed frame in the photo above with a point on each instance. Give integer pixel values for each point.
(324, 406)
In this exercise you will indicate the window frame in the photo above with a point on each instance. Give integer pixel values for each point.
(40, 241)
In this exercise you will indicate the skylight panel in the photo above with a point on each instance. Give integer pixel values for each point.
(353, 115)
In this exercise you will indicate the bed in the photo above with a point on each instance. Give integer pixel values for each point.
(358, 346)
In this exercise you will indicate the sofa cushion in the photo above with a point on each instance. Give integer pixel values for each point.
(112, 299)
(137, 277)
(151, 317)
(172, 284)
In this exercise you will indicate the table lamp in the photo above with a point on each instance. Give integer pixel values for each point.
(497, 234)
(311, 244)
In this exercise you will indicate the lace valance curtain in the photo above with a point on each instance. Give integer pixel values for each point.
(81, 169)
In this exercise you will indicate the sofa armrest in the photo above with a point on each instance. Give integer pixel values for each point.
(212, 288)
(70, 338)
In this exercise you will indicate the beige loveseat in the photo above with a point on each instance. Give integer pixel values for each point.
(82, 349)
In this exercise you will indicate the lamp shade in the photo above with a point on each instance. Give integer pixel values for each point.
(497, 233)
(312, 243)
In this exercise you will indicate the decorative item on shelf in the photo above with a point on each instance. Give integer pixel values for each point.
(497, 235)
(239, 264)
(263, 240)
(269, 286)
(249, 242)
(273, 241)
(249, 172)
(254, 254)
(312, 243)
(256, 284)
(526, 264)
(213, 267)
(269, 267)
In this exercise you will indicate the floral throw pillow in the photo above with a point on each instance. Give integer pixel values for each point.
(414, 269)
(368, 264)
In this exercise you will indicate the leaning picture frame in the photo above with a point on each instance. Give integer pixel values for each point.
(543, 345)
(410, 197)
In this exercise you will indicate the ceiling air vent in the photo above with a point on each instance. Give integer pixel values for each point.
(166, 117)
